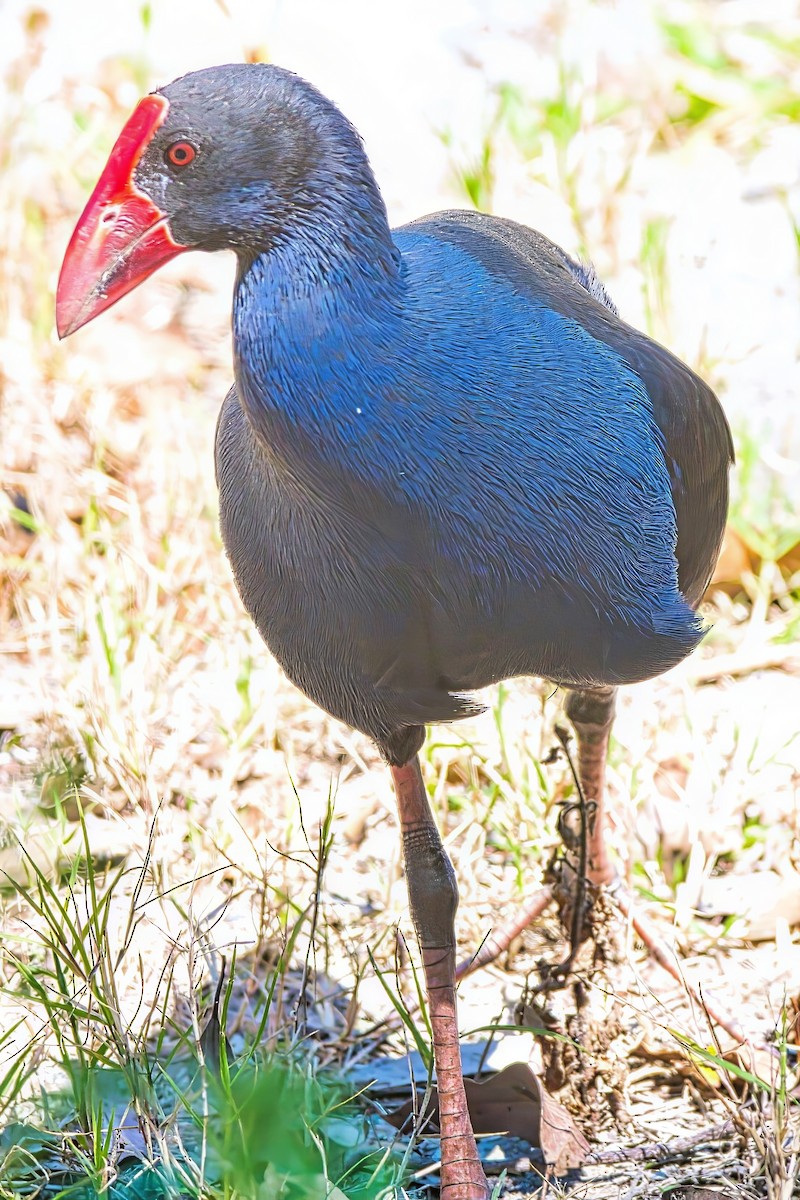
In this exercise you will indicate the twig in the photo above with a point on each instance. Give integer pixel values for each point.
(658, 1151)
(649, 1152)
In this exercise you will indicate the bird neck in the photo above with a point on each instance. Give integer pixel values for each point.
(309, 315)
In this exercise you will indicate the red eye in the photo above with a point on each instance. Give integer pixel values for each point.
(180, 154)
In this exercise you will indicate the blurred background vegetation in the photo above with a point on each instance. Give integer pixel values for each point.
(145, 729)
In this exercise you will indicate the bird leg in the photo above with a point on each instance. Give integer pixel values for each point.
(433, 897)
(585, 869)
(591, 714)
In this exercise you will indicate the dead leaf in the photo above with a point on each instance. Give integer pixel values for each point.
(515, 1102)
(735, 560)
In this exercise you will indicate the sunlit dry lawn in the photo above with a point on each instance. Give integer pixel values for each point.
(142, 717)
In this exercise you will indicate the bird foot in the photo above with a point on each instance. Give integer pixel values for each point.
(500, 939)
(668, 960)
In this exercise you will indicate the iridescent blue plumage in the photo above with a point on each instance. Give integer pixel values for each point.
(446, 459)
(485, 480)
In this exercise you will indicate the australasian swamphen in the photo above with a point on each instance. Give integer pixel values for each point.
(445, 459)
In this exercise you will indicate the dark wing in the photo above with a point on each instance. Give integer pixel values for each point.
(698, 449)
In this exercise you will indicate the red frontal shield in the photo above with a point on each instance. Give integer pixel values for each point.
(122, 236)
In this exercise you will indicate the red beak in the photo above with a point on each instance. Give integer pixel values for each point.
(122, 236)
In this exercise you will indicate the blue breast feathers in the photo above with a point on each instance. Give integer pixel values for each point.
(528, 447)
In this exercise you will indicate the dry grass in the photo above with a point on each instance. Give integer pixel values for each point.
(135, 691)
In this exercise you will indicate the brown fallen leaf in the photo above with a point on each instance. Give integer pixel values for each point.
(735, 560)
(515, 1102)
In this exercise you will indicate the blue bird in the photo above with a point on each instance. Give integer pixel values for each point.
(445, 460)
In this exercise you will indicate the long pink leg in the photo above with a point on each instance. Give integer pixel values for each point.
(591, 714)
(433, 896)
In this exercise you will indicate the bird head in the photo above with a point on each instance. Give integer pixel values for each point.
(226, 158)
